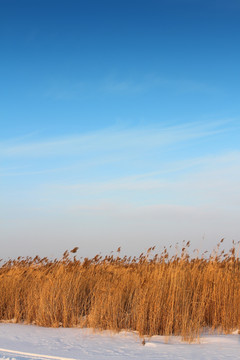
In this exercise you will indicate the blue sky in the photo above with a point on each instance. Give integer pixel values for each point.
(120, 124)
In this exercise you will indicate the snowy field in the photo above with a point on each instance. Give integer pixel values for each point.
(21, 342)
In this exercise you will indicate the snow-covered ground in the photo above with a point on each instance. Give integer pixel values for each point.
(23, 342)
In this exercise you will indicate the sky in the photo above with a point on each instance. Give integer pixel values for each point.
(120, 124)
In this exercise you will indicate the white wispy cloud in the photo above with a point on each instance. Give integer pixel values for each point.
(115, 85)
(208, 180)
(113, 139)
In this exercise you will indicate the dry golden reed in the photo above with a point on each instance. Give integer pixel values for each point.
(151, 294)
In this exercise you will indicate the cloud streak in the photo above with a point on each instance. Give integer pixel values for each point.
(113, 86)
(112, 139)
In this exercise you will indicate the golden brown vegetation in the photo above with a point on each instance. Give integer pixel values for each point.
(152, 294)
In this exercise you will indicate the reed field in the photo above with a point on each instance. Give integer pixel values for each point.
(153, 294)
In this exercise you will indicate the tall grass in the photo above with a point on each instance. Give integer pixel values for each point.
(152, 294)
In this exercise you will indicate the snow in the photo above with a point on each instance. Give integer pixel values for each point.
(22, 342)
